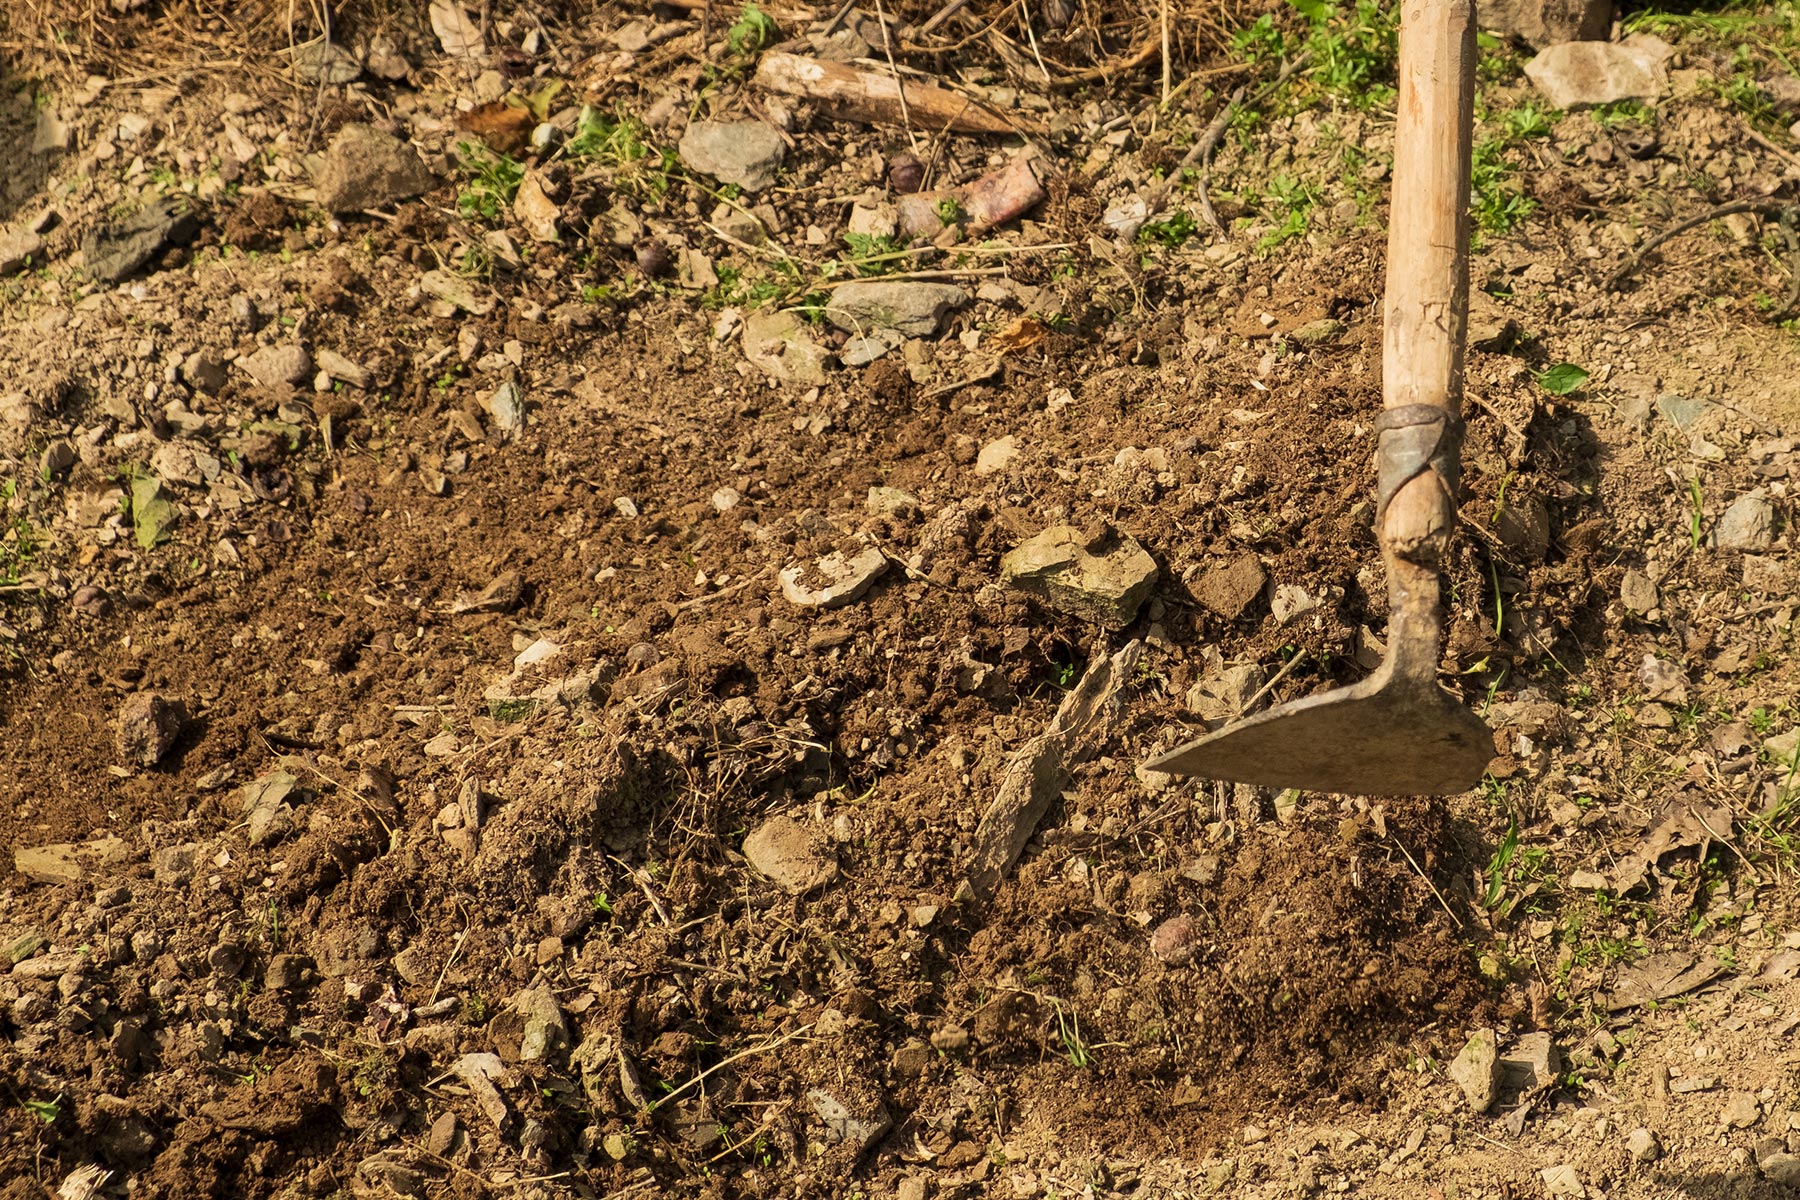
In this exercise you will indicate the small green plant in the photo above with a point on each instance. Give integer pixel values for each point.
(949, 212)
(1623, 112)
(44, 1110)
(1068, 1031)
(602, 904)
(494, 181)
(1529, 120)
(1494, 193)
(1170, 232)
(751, 32)
(1562, 379)
(1696, 512)
(1288, 201)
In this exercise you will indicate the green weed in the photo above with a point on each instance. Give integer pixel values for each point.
(1170, 232)
(494, 181)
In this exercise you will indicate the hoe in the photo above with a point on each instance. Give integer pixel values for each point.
(1397, 733)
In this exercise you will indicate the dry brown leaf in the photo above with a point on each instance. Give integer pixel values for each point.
(456, 33)
(1659, 977)
(506, 128)
(1022, 334)
(1683, 823)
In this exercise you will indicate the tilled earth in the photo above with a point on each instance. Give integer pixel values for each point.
(422, 782)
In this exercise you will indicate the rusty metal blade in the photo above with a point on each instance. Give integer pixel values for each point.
(1381, 737)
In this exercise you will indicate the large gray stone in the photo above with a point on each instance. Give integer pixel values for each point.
(1748, 525)
(1542, 23)
(115, 251)
(1585, 74)
(914, 309)
(1476, 1070)
(1103, 578)
(747, 153)
(365, 168)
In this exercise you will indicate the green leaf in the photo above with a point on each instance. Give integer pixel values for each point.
(151, 511)
(1562, 379)
(1316, 11)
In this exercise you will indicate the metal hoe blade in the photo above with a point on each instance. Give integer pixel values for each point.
(1379, 737)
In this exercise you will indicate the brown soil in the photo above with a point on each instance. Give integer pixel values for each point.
(244, 1002)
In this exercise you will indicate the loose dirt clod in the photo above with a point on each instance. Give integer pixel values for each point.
(149, 725)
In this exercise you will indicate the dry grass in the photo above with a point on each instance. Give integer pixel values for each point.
(1037, 44)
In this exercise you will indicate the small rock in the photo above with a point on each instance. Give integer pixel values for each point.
(997, 455)
(174, 865)
(1230, 590)
(951, 1039)
(546, 1031)
(1104, 578)
(1224, 695)
(1318, 333)
(342, 369)
(1523, 526)
(149, 725)
(67, 862)
(1742, 1111)
(1585, 74)
(1563, 1180)
(833, 581)
(860, 1129)
(204, 370)
(57, 458)
(746, 153)
(1476, 1070)
(1541, 23)
(441, 1139)
(1782, 1168)
(1663, 680)
(1680, 411)
(365, 168)
(1748, 525)
(1491, 327)
(287, 972)
(1175, 941)
(795, 856)
(1291, 601)
(114, 251)
(891, 502)
(1531, 1064)
(725, 499)
(1643, 1146)
(398, 1178)
(908, 307)
(279, 366)
(1637, 593)
(16, 250)
(782, 345)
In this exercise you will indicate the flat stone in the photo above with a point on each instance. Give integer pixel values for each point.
(1747, 526)
(114, 251)
(67, 862)
(1230, 590)
(1642, 1145)
(279, 366)
(149, 726)
(365, 168)
(343, 370)
(1542, 23)
(1104, 578)
(891, 502)
(1586, 74)
(1222, 696)
(1476, 1070)
(834, 580)
(997, 456)
(1637, 593)
(1680, 411)
(908, 307)
(1531, 1064)
(546, 1031)
(860, 1126)
(1741, 1110)
(1782, 1168)
(745, 153)
(793, 855)
(1491, 327)
(16, 250)
(782, 345)
(204, 370)
(1563, 1180)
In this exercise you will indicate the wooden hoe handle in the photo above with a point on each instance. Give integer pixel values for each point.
(1426, 307)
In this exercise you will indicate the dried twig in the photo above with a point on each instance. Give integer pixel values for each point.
(763, 1048)
(1632, 261)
